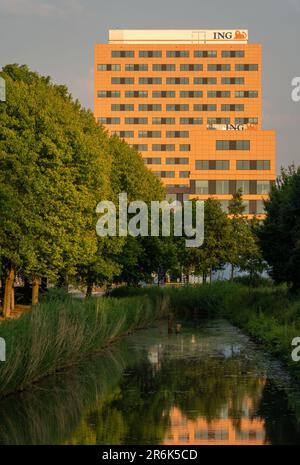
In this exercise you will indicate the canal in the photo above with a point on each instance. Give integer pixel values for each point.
(210, 384)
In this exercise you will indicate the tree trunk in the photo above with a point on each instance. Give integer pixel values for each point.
(7, 301)
(12, 299)
(35, 291)
(232, 272)
(89, 290)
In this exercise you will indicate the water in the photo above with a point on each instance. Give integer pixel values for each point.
(208, 385)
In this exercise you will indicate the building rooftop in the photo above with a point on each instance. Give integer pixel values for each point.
(177, 36)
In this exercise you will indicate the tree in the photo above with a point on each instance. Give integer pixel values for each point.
(280, 231)
(54, 166)
(244, 251)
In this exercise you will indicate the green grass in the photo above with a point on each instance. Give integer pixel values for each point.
(61, 331)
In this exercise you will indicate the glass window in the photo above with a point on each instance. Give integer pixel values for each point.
(205, 107)
(108, 67)
(244, 186)
(163, 94)
(122, 107)
(205, 80)
(184, 174)
(177, 80)
(191, 94)
(243, 165)
(136, 120)
(157, 120)
(149, 134)
(163, 67)
(140, 147)
(191, 121)
(177, 107)
(136, 67)
(263, 164)
(119, 80)
(218, 67)
(149, 107)
(152, 80)
(177, 53)
(202, 165)
(191, 67)
(205, 53)
(233, 53)
(184, 147)
(201, 187)
(122, 53)
(177, 134)
(150, 54)
(260, 207)
(233, 80)
(222, 187)
(108, 93)
(104, 120)
(152, 161)
(163, 147)
(246, 67)
(136, 94)
(263, 187)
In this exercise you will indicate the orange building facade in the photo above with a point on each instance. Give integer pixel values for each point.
(190, 102)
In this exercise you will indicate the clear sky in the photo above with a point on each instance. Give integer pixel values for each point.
(56, 37)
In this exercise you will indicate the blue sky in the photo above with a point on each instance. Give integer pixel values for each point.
(56, 38)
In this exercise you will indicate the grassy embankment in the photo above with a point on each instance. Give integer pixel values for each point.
(61, 331)
(268, 313)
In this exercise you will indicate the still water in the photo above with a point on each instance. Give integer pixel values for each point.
(208, 385)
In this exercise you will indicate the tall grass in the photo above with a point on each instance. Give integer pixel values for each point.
(62, 331)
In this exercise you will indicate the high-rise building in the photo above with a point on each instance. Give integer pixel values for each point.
(190, 102)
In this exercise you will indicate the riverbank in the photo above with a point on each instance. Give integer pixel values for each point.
(269, 314)
(61, 331)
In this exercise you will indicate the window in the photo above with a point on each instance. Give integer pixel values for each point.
(218, 94)
(140, 147)
(218, 67)
(191, 121)
(163, 94)
(232, 144)
(205, 53)
(123, 134)
(184, 147)
(218, 121)
(233, 53)
(201, 187)
(163, 67)
(246, 120)
(177, 107)
(122, 53)
(149, 134)
(122, 107)
(163, 147)
(184, 174)
(121, 80)
(205, 80)
(177, 53)
(149, 107)
(136, 67)
(108, 67)
(260, 207)
(104, 120)
(263, 187)
(231, 107)
(150, 54)
(243, 165)
(177, 133)
(136, 120)
(202, 165)
(253, 164)
(263, 164)
(153, 80)
(157, 120)
(177, 161)
(244, 186)
(152, 161)
(191, 67)
(224, 208)
(191, 94)
(246, 94)
(205, 107)
(136, 94)
(233, 80)
(165, 174)
(212, 164)
(108, 94)
(222, 187)
(246, 67)
(177, 80)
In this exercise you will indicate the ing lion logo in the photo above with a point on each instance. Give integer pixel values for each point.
(240, 35)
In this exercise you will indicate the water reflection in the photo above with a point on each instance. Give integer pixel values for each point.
(208, 385)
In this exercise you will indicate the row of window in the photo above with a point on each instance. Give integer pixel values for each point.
(182, 94)
(177, 107)
(261, 165)
(178, 53)
(152, 134)
(162, 147)
(177, 80)
(226, 187)
(171, 121)
(172, 67)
